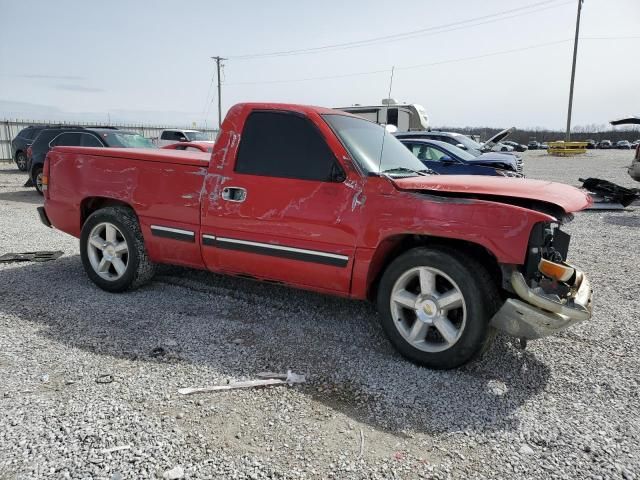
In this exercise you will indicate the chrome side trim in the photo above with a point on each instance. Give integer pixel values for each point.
(173, 233)
(172, 230)
(283, 248)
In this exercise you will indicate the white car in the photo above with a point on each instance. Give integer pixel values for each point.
(634, 168)
(169, 137)
(501, 147)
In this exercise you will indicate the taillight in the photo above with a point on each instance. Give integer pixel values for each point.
(29, 153)
(638, 152)
(45, 178)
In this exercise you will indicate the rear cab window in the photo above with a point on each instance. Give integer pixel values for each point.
(286, 145)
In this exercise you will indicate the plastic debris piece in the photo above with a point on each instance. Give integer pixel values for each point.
(289, 379)
(43, 256)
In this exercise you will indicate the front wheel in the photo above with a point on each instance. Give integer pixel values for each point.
(113, 252)
(435, 307)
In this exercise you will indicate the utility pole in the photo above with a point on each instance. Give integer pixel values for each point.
(218, 64)
(567, 136)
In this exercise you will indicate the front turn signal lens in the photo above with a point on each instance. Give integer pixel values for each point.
(556, 271)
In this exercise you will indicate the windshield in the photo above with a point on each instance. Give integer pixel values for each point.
(128, 140)
(474, 148)
(196, 136)
(457, 152)
(363, 140)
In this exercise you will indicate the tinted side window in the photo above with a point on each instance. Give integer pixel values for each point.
(26, 133)
(89, 140)
(69, 139)
(168, 135)
(278, 144)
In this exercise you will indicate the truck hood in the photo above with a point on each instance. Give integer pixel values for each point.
(534, 194)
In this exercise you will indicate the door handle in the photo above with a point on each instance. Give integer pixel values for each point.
(234, 194)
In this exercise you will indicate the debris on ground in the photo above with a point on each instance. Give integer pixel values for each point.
(608, 195)
(174, 474)
(280, 379)
(106, 378)
(43, 256)
(116, 449)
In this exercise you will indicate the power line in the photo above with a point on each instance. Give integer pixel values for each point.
(432, 64)
(433, 30)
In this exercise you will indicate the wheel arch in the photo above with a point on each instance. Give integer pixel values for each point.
(394, 246)
(90, 205)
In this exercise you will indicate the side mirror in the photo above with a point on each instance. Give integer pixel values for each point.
(459, 145)
(337, 174)
(446, 159)
(182, 139)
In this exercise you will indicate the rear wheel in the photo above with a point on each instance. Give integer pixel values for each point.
(113, 252)
(36, 178)
(435, 307)
(21, 161)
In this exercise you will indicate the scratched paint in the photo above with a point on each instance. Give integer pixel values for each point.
(353, 218)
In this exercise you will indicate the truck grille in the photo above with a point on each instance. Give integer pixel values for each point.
(519, 164)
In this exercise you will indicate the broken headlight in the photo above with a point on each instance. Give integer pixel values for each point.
(546, 242)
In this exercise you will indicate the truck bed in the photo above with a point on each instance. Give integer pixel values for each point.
(163, 186)
(176, 157)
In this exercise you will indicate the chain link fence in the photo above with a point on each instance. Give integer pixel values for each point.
(9, 129)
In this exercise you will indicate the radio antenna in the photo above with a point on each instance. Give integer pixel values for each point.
(384, 130)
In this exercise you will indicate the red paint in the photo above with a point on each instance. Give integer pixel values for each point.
(570, 199)
(362, 218)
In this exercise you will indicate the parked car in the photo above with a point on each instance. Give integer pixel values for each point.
(623, 145)
(634, 168)
(447, 258)
(501, 147)
(190, 146)
(605, 144)
(543, 146)
(518, 147)
(171, 136)
(591, 143)
(21, 143)
(78, 136)
(533, 145)
(513, 161)
(446, 159)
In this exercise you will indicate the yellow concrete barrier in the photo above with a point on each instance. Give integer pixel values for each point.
(564, 149)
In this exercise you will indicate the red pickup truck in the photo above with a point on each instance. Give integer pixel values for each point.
(322, 200)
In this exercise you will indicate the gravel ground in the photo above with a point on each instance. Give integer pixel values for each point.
(567, 407)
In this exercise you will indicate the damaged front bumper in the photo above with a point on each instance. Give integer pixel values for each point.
(536, 315)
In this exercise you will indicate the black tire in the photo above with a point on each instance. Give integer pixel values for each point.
(480, 297)
(35, 174)
(139, 269)
(21, 161)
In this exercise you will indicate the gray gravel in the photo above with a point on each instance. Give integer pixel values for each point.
(84, 372)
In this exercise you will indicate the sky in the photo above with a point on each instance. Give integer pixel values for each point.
(495, 63)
